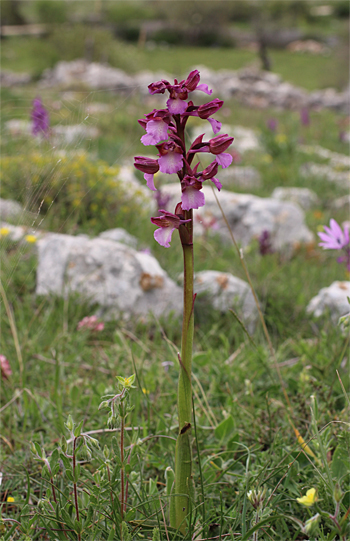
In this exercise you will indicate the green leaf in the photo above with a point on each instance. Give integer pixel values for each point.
(54, 458)
(224, 431)
(340, 461)
(69, 474)
(66, 462)
(267, 521)
(75, 393)
(111, 535)
(130, 515)
(77, 430)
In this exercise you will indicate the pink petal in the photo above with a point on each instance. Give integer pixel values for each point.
(149, 179)
(147, 139)
(336, 229)
(158, 129)
(170, 163)
(204, 88)
(217, 183)
(5, 368)
(176, 106)
(192, 199)
(163, 236)
(224, 159)
(215, 124)
(329, 243)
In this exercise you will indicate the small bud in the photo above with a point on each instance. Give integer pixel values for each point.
(156, 534)
(311, 524)
(337, 494)
(146, 165)
(106, 452)
(104, 404)
(220, 143)
(70, 423)
(64, 445)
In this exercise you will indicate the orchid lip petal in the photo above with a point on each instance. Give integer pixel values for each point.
(163, 235)
(224, 159)
(192, 198)
(176, 106)
(170, 163)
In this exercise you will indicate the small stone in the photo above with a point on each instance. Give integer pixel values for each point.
(332, 299)
(341, 203)
(225, 291)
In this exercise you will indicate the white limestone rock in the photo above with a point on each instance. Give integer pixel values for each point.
(326, 172)
(245, 139)
(120, 235)
(73, 133)
(93, 75)
(249, 215)
(225, 291)
(10, 209)
(341, 203)
(240, 176)
(332, 299)
(304, 197)
(116, 277)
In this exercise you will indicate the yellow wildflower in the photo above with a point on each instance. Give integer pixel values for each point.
(10, 499)
(309, 499)
(267, 158)
(281, 138)
(30, 238)
(145, 391)
(4, 231)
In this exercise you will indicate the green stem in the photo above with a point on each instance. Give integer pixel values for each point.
(183, 453)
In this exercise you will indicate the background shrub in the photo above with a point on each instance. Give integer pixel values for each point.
(71, 191)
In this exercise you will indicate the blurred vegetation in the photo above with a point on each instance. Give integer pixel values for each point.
(85, 193)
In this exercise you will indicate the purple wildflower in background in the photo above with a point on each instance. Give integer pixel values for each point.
(304, 116)
(272, 124)
(5, 368)
(40, 119)
(162, 199)
(336, 238)
(91, 323)
(265, 244)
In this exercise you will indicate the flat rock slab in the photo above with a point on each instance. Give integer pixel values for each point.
(332, 299)
(119, 279)
(225, 291)
(248, 216)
